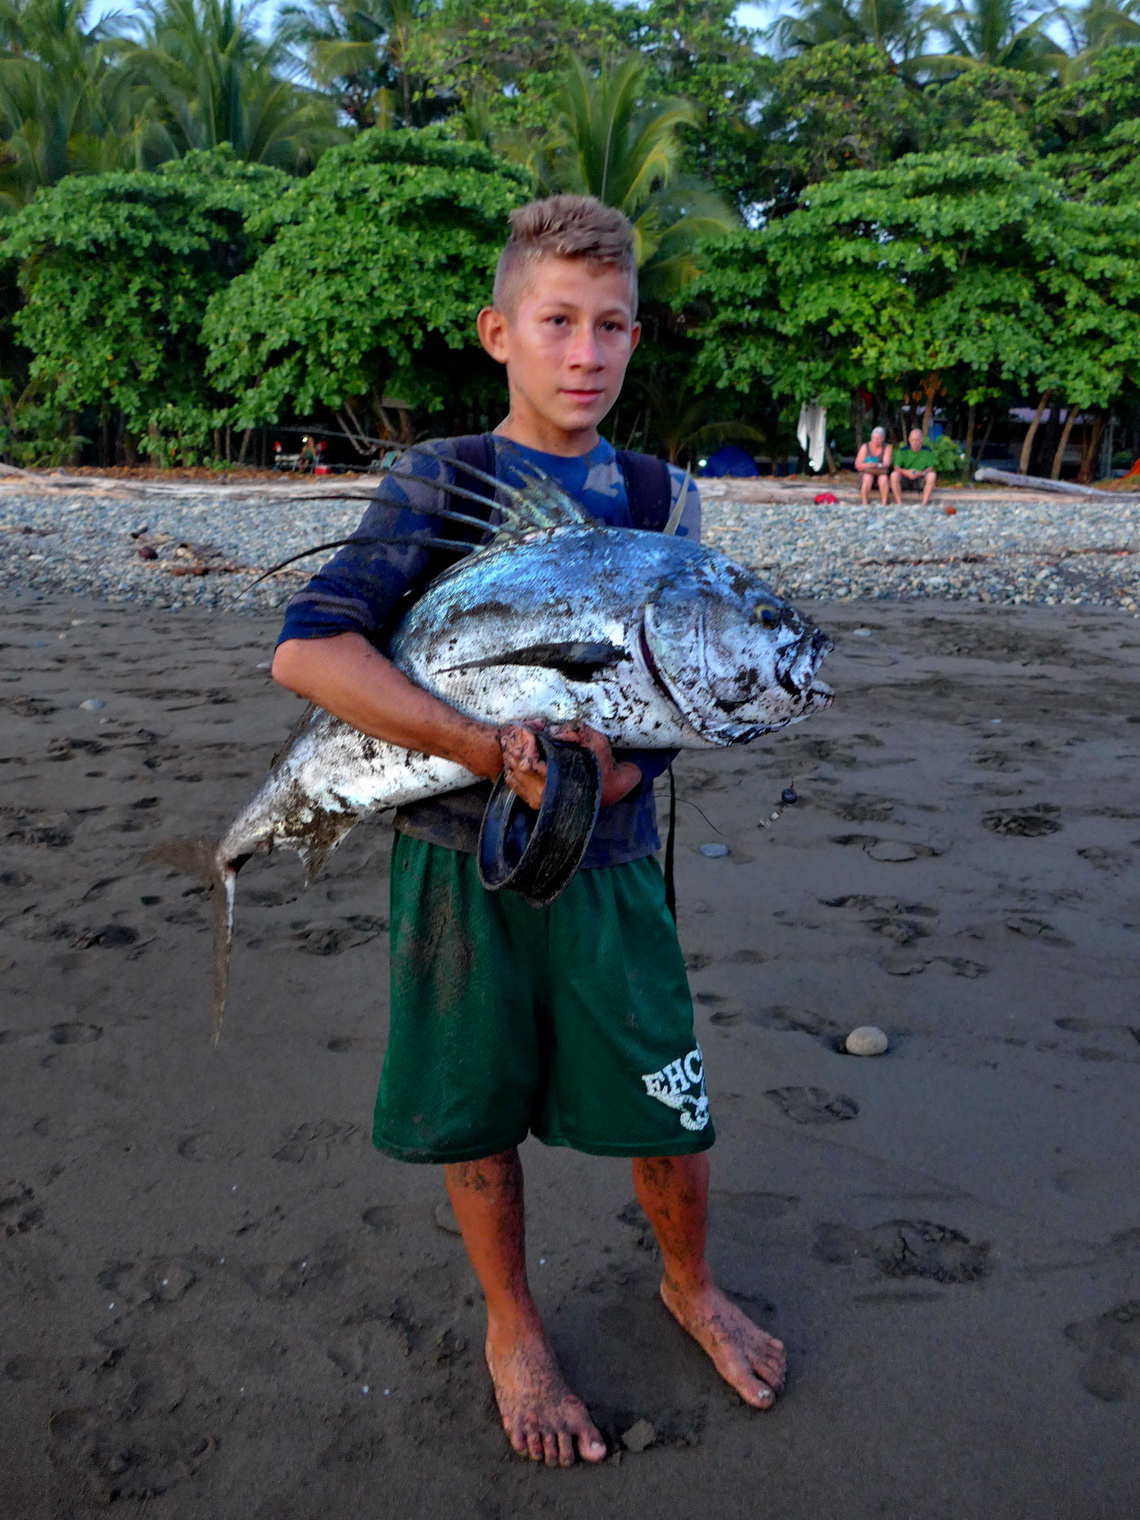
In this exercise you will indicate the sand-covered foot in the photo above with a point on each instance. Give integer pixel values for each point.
(544, 1420)
(754, 1362)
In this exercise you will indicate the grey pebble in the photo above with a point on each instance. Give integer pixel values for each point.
(714, 851)
(639, 1437)
(867, 1040)
(92, 704)
(893, 850)
(444, 1216)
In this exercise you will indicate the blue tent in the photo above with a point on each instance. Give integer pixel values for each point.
(729, 459)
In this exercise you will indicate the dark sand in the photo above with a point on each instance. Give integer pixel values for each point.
(203, 1265)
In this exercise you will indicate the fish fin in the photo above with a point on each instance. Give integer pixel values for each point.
(199, 857)
(577, 660)
(678, 509)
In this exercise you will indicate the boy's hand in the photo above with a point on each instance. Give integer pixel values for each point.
(618, 777)
(524, 769)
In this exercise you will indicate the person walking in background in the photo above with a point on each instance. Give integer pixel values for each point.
(873, 464)
(914, 468)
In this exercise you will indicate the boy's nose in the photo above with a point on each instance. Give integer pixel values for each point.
(585, 352)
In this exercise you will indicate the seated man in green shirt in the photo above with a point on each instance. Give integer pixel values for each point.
(914, 468)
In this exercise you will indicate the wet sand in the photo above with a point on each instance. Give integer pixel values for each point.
(217, 1301)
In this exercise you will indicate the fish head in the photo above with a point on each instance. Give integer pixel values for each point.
(736, 659)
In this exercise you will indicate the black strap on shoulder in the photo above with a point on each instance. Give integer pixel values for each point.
(648, 489)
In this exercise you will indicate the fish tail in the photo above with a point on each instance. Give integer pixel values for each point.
(202, 858)
(224, 897)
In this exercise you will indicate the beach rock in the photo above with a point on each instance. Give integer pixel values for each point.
(639, 1437)
(92, 704)
(444, 1216)
(148, 551)
(892, 850)
(867, 1040)
(713, 851)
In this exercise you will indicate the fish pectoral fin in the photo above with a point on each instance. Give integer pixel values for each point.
(577, 660)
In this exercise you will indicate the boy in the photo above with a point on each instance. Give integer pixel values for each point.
(572, 1022)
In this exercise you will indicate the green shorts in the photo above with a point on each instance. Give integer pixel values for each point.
(573, 1023)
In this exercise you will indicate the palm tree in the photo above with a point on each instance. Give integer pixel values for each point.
(65, 106)
(1097, 25)
(897, 27)
(215, 79)
(356, 50)
(607, 142)
(1003, 33)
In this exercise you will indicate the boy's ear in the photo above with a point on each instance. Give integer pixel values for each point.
(491, 325)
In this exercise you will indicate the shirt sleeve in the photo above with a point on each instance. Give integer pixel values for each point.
(366, 583)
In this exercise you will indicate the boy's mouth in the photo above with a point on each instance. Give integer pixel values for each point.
(577, 395)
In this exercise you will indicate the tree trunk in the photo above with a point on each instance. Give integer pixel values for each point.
(244, 445)
(1027, 445)
(1063, 444)
(968, 447)
(1091, 450)
(930, 389)
(857, 413)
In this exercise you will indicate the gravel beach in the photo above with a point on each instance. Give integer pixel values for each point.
(203, 546)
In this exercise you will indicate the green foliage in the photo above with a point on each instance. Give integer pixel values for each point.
(838, 106)
(943, 273)
(377, 265)
(947, 455)
(116, 272)
(984, 110)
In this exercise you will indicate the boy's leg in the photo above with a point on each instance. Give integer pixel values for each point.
(542, 1417)
(673, 1191)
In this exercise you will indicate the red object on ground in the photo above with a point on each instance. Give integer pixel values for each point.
(950, 511)
(825, 499)
(320, 469)
(1135, 470)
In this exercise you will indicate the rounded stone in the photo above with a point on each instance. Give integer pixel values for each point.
(93, 704)
(867, 1040)
(892, 850)
(713, 851)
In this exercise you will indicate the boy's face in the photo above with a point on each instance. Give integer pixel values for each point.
(565, 347)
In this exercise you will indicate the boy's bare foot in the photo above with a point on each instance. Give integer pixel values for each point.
(543, 1419)
(753, 1362)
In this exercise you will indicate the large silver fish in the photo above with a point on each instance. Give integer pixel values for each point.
(656, 641)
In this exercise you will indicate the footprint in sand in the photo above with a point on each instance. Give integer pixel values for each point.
(901, 1248)
(75, 1034)
(1027, 823)
(1111, 1343)
(330, 938)
(19, 1211)
(313, 1142)
(812, 1105)
(139, 1455)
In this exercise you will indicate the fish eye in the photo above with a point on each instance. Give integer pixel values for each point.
(768, 616)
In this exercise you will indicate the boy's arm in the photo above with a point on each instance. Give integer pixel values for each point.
(346, 676)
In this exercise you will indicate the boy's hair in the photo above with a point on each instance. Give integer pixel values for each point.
(563, 227)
